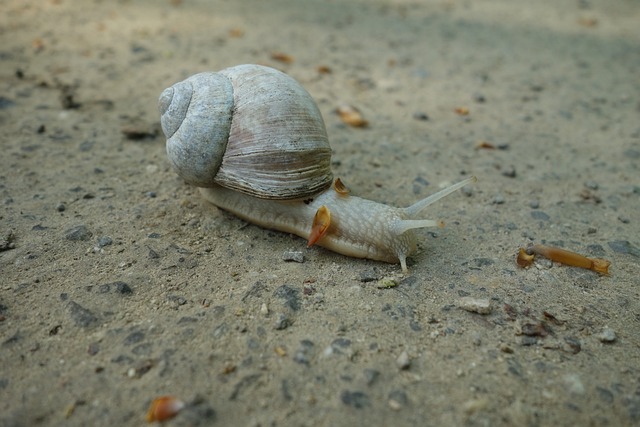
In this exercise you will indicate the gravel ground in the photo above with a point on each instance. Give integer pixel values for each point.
(120, 284)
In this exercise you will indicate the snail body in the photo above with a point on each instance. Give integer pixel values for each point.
(273, 169)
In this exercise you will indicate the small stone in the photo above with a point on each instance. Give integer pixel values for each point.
(133, 338)
(624, 247)
(534, 204)
(369, 275)
(591, 185)
(80, 315)
(475, 305)
(78, 233)
(421, 115)
(539, 215)
(509, 172)
(371, 375)
(302, 354)
(357, 399)
(293, 256)
(104, 241)
(264, 309)
(60, 207)
(289, 295)
(498, 199)
(123, 288)
(607, 335)
(403, 361)
(397, 399)
(282, 322)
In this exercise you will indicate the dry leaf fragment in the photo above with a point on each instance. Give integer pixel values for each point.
(462, 111)
(525, 258)
(351, 116)
(282, 57)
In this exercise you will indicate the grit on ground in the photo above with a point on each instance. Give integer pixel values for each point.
(122, 289)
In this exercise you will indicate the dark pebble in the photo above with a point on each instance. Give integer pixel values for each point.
(94, 348)
(357, 399)
(483, 262)
(539, 215)
(420, 115)
(596, 250)
(605, 394)
(78, 233)
(369, 275)
(574, 344)
(104, 241)
(80, 315)
(143, 349)
(528, 340)
(178, 300)
(289, 295)
(340, 343)
(187, 320)
(302, 355)
(122, 360)
(624, 247)
(293, 256)
(282, 322)
(6, 103)
(61, 207)
(133, 338)
(509, 172)
(370, 376)
(123, 288)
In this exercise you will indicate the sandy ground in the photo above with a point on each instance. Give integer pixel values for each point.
(119, 284)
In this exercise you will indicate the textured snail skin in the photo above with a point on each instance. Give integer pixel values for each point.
(359, 228)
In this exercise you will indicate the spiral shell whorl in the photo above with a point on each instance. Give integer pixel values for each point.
(196, 119)
(249, 128)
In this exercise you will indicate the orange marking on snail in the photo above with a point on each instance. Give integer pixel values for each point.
(321, 222)
(164, 408)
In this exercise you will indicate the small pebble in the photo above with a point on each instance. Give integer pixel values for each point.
(282, 322)
(534, 204)
(397, 399)
(624, 219)
(369, 275)
(357, 399)
(78, 233)
(607, 335)
(403, 362)
(371, 375)
(80, 315)
(61, 207)
(509, 172)
(591, 185)
(295, 256)
(498, 199)
(105, 241)
(475, 305)
(539, 215)
(420, 115)
(624, 247)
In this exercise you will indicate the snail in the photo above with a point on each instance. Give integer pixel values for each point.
(254, 141)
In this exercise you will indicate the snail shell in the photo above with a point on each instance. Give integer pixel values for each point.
(249, 128)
